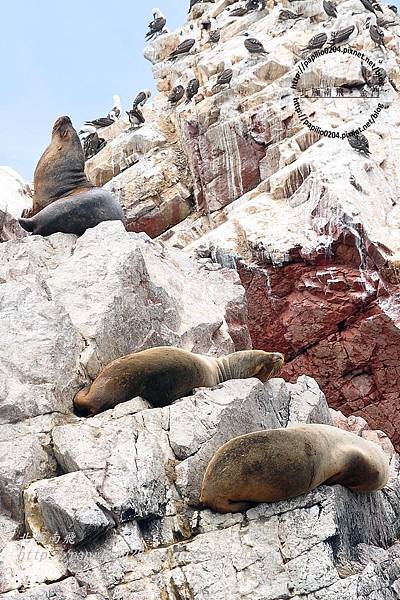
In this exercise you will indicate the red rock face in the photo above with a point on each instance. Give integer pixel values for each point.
(337, 325)
(225, 161)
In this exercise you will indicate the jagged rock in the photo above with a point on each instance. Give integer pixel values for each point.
(67, 506)
(15, 196)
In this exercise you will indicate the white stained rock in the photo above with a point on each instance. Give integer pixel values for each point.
(68, 507)
(14, 198)
(25, 563)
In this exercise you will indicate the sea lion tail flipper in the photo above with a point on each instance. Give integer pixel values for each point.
(27, 224)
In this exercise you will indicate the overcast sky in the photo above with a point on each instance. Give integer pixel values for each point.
(69, 57)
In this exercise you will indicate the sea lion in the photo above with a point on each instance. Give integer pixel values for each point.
(64, 199)
(276, 464)
(163, 374)
(60, 171)
(85, 210)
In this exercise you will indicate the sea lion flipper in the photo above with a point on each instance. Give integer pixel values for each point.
(27, 224)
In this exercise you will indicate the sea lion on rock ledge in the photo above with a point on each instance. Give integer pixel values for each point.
(164, 374)
(277, 464)
(64, 199)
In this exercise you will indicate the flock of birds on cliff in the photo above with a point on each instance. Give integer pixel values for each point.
(93, 143)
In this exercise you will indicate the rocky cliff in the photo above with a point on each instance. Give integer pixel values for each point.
(264, 233)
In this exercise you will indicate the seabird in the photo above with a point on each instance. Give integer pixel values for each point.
(192, 89)
(176, 94)
(368, 5)
(255, 5)
(316, 42)
(359, 142)
(341, 35)
(215, 36)
(183, 49)
(377, 35)
(382, 22)
(238, 12)
(206, 24)
(329, 8)
(116, 109)
(100, 123)
(192, 3)
(141, 99)
(376, 5)
(224, 78)
(157, 24)
(92, 144)
(136, 117)
(253, 45)
(287, 15)
(393, 8)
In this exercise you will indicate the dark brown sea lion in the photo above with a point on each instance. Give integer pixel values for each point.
(276, 464)
(161, 375)
(64, 199)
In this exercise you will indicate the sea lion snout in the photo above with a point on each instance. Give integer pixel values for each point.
(62, 125)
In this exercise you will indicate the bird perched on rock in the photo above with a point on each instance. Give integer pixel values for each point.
(215, 36)
(112, 116)
(238, 12)
(182, 49)
(92, 144)
(329, 8)
(192, 89)
(393, 8)
(176, 94)
(156, 26)
(359, 142)
(376, 5)
(316, 42)
(225, 77)
(383, 22)
(342, 35)
(368, 5)
(136, 117)
(141, 99)
(287, 15)
(377, 35)
(253, 45)
(255, 5)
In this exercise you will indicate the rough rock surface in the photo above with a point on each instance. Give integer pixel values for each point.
(15, 196)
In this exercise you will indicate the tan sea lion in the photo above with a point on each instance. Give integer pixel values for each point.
(163, 374)
(60, 171)
(276, 464)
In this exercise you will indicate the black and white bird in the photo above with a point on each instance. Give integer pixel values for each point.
(238, 12)
(377, 35)
(176, 94)
(329, 8)
(156, 26)
(316, 42)
(112, 116)
(393, 8)
(253, 45)
(206, 24)
(192, 89)
(359, 142)
(368, 5)
(255, 5)
(288, 15)
(141, 99)
(92, 144)
(192, 3)
(136, 117)
(182, 49)
(376, 5)
(215, 36)
(342, 35)
(383, 22)
(225, 77)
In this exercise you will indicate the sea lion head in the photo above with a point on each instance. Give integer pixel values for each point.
(82, 407)
(62, 127)
(267, 364)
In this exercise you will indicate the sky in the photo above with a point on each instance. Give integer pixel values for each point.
(69, 57)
